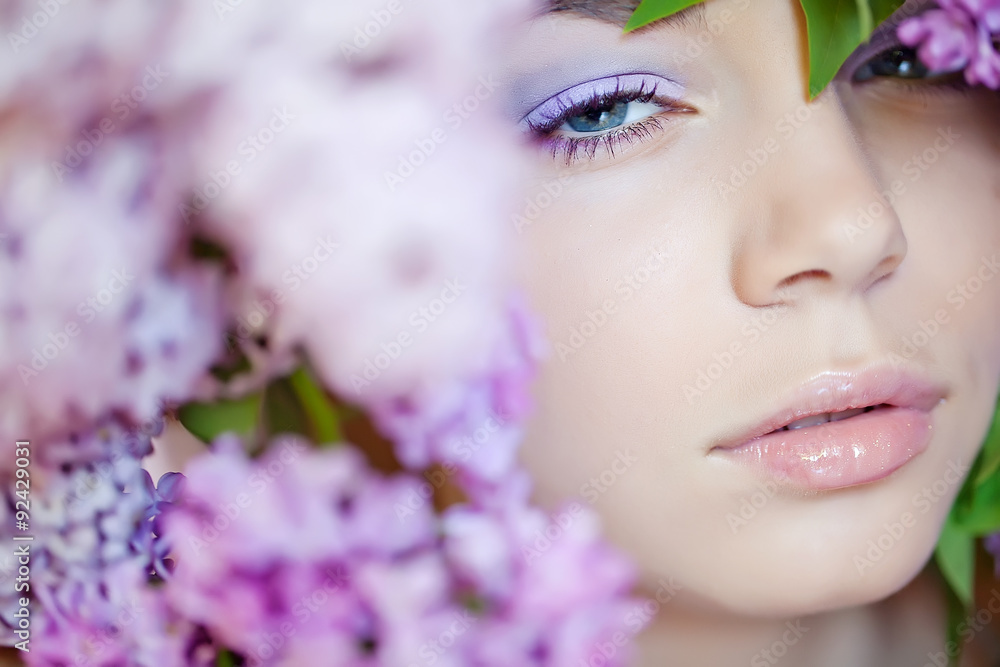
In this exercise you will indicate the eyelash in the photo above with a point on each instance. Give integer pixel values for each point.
(572, 147)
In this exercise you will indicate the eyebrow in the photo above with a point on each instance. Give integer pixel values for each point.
(619, 12)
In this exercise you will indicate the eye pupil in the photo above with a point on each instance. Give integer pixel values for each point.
(598, 119)
(899, 62)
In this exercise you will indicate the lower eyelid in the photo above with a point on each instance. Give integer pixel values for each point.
(632, 117)
(570, 147)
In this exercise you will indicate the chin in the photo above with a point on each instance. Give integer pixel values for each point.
(798, 556)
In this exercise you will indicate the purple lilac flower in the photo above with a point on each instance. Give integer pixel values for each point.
(958, 36)
(555, 592)
(302, 551)
(94, 553)
(474, 424)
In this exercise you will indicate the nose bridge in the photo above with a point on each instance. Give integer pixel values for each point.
(809, 223)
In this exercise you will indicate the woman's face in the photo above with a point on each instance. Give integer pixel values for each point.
(715, 256)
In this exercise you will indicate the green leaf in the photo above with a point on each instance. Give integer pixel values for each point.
(956, 617)
(990, 454)
(835, 30)
(980, 515)
(883, 9)
(865, 18)
(207, 421)
(654, 10)
(225, 659)
(283, 412)
(956, 557)
(320, 411)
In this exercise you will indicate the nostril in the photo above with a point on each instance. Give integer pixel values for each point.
(885, 268)
(804, 275)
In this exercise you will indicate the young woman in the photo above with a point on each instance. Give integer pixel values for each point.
(775, 321)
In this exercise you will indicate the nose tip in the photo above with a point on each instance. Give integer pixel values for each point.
(813, 233)
(769, 273)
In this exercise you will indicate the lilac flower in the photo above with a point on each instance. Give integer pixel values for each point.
(959, 35)
(93, 555)
(94, 321)
(474, 423)
(308, 541)
(554, 591)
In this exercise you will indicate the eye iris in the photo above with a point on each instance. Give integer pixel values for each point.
(899, 62)
(600, 118)
(903, 63)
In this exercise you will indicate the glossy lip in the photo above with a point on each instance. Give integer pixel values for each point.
(853, 451)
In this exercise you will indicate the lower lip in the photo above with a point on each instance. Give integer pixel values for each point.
(849, 452)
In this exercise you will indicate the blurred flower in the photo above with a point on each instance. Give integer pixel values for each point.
(553, 590)
(301, 550)
(94, 320)
(93, 554)
(959, 35)
(473, 423)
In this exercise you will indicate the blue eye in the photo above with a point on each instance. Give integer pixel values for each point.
(608, 115)
(605, 117)
(898, 62)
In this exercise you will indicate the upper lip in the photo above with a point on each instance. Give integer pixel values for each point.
(838, 391)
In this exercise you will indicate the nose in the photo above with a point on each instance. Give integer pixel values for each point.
(822, 224)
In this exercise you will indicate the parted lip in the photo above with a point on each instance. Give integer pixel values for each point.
(838, 391)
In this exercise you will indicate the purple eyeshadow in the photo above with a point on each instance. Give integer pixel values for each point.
(556, 105)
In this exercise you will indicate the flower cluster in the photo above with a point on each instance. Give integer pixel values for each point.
(97, 543)
(179, 172)
(959, 35)
(305, 552)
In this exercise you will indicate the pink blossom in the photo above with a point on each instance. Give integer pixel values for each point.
(959, 35)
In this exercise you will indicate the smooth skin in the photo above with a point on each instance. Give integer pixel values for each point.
(676, 262)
